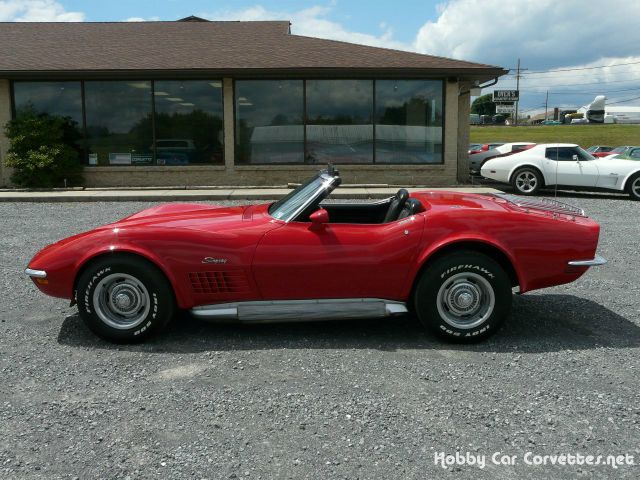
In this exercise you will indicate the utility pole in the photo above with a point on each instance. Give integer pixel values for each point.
(546, 104)
(518, 89)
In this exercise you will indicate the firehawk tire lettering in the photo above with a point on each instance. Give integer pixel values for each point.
(159, 291)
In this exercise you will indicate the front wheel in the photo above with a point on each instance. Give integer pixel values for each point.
(526, 181)
(463, 297)
(124, 299)
(634, 187)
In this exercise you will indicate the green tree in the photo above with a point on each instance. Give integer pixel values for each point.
(484, 105)
(44, 150)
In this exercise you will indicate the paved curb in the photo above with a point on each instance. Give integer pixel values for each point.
(170, 195)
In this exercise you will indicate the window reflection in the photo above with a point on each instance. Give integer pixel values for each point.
(56, 99)
(269, 126)
(408, 121)
(119, 123)
(63, 99)
(188, 122)
(339, 121)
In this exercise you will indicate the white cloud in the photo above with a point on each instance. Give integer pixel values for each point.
(541, 32)
(36, 11)
(313, 22)
(140, 19)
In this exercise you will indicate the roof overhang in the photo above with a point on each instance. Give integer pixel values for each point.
(479, 75)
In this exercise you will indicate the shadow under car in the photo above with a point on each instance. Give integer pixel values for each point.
(538, 323)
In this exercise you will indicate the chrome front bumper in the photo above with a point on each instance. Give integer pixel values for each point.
(594, 262)
(35, 273)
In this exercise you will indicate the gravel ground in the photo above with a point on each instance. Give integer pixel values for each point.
(368, 399)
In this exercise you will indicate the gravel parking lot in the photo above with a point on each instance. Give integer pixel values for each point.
(367, 399)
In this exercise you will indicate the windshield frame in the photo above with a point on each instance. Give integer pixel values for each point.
(327, 183)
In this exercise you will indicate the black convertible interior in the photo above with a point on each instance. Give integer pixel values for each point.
(384, 211)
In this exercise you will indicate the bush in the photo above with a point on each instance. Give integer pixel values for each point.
(44, 150)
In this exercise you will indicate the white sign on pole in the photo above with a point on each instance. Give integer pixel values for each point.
(500, 108)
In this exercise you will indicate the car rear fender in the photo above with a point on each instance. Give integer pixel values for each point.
(628, 176)
(471, 241)
(528, 165)
(125, 248)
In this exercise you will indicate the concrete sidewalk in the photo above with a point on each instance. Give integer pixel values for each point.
(169, 195)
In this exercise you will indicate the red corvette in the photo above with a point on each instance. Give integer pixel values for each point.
(452, 258)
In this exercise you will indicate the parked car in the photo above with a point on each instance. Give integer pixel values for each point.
(491, 146)
(563, 164)
(631, 154)
(599, 150)
(622, 150)
(453, 258)
(474, 148)
(477, 159)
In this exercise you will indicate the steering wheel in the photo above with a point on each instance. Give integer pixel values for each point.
(396, 205)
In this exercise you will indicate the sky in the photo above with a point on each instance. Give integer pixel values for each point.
(574, 49)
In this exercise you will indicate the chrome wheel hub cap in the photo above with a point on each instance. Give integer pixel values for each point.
(121, 301)
(466, 300)
(635, 187)
(526, 182)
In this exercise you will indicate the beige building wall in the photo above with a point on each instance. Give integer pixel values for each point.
(5, 116)
(464, 109)
(455, 129)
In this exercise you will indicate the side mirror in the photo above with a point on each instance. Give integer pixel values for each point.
(319, 217)
(575, 158)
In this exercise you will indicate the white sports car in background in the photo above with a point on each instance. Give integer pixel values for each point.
(563, 164)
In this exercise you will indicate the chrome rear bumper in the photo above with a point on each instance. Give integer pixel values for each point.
(594, 262)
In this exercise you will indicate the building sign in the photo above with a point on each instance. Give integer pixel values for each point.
(506, 95)
(141, 158)
(119, 159)
(505, 108)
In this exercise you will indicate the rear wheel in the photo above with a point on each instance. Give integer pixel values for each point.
(526, 181)
(124, 299)
(633, 187)
(463, 297)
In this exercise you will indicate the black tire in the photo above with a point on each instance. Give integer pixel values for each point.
(633, 186)
(145, 297)
(527, 181)
(463, 277)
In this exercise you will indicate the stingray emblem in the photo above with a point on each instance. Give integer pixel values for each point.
(214, 260)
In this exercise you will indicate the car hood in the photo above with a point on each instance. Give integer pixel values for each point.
(189, 215)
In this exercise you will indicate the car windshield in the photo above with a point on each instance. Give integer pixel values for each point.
(618, 150)
(584, 154)
(297, 200)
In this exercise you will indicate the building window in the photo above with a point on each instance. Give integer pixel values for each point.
(269, 121)
(62, 99)
(119, 127)
(188, 121)
(119, 122)
(408, 121)
(339, 126)
(339, 121)
(57, 99)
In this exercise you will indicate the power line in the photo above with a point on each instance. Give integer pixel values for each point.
(589, 83)
(622, 101)
(592, 93)
(581, 68)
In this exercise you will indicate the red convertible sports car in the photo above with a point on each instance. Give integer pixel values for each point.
(452, 258)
